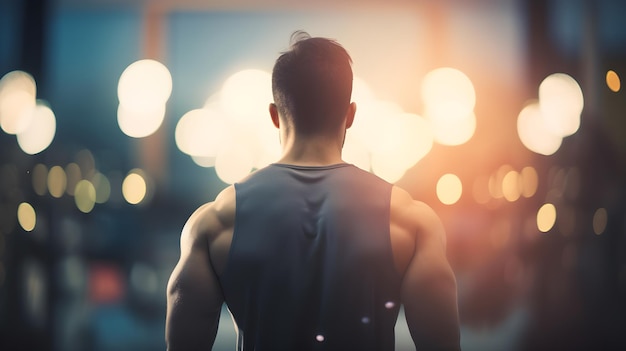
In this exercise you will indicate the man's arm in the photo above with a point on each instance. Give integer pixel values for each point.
(429, 291)
(194, 297)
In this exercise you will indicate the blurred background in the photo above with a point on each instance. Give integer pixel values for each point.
(119, 118)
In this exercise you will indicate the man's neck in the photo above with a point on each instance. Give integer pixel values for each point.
(311, 152)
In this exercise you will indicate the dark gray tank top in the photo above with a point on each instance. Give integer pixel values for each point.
(310, 265)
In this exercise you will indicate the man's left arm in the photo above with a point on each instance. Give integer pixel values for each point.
(194, 297)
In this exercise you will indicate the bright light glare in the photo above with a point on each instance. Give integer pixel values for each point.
(449, 189)
(561, 103)
(533, 132)
(371, 116)
(246, 95)
(404, 139)
(448, 94)
(386, 168)
(40, 132)
(17, 101)
(144, 84)
(26, 216)
(134, 187)
(140, 123)
(233, 163)
(355, 152)
(202, 132)
(204, 161)
(85, 196)
(546, 217)
(447, 132)
(361, 91)
(613, 81)
(143, 89)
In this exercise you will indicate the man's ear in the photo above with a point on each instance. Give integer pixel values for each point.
(350, 115)
(274, 114)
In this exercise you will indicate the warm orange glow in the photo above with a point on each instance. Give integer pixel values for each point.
(480, 190)
(613, 81)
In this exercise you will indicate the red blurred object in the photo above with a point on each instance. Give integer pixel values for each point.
(106, 284)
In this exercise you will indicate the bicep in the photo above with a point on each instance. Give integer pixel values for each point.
(194, 298)
(429, 287)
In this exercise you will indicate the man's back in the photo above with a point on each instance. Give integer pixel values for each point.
(311, 263)
(312, 253)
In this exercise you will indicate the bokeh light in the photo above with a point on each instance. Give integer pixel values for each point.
(74, 175)
(140, 123)
(57, 181)
(233, 163)
(202, 132)
(204, 161)
(511, 186)
(356, 153)
(134, 187)
(18, 92)
(530, 181)
(561, 103)
(40, 177)
(143, 90)
(246, 95)
(613, 81)
(26, 216)
(403, 140)
(546, 217)
(102, 186)
(449, 132)
(143, 84)
(534, 133)
(40, 132)
(449, 189)
(600, 220)
(448, 94)
(85, 196)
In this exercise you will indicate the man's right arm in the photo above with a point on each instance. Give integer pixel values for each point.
(429, 291)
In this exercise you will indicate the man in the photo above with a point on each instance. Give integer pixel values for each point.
(312, 253)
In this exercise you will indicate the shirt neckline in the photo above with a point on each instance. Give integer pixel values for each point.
(312, 168)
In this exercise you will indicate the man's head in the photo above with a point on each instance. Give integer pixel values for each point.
(312, 85)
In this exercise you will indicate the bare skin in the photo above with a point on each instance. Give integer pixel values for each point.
(428, 291)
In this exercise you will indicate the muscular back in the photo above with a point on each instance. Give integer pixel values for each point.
(417, 242)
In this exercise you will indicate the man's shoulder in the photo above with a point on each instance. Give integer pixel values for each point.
(414, 215)
(213, 217)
